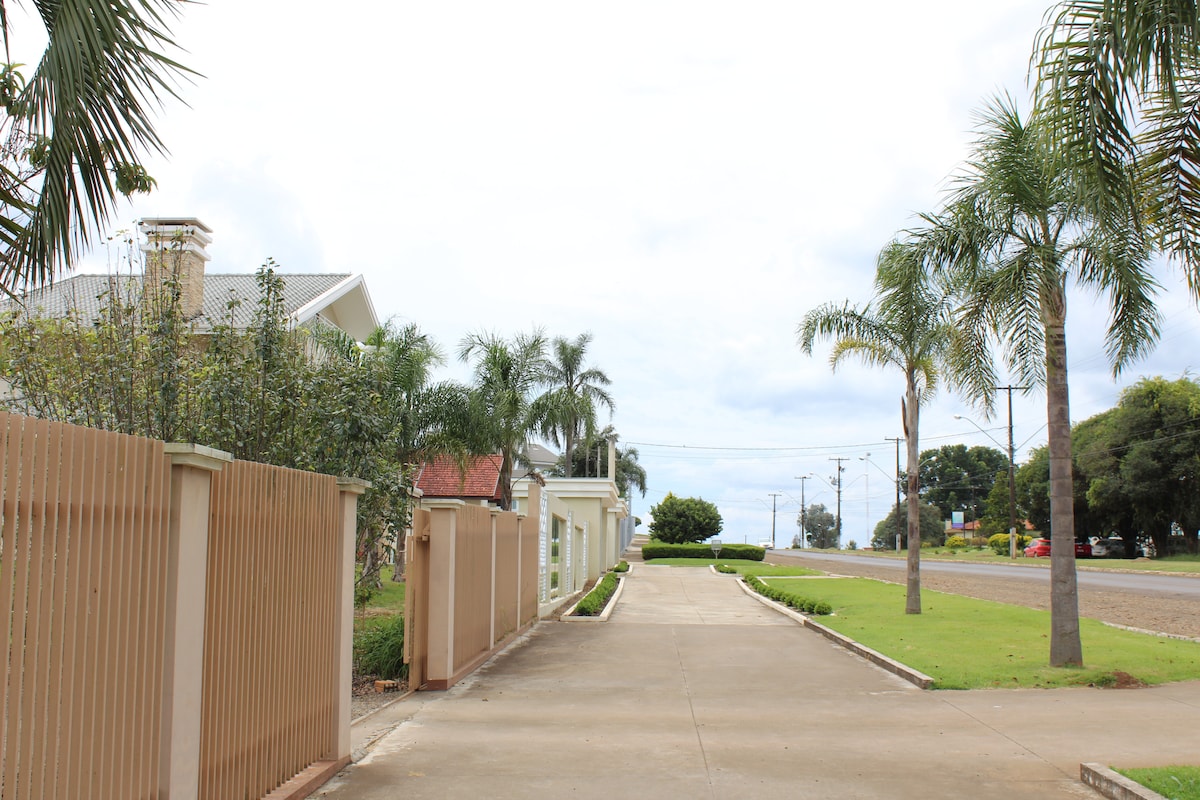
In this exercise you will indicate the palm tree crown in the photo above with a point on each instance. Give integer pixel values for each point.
(566, 413)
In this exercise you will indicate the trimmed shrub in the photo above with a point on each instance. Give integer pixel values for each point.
(379, 650)
(804, 604)
(745, 552)
(726, 569)
(999, 543)
(621, 567)
(956, 542)
(593, 603)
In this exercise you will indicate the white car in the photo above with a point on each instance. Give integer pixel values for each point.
(767, 545)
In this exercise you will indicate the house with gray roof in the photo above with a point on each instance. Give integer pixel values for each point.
(176, 249)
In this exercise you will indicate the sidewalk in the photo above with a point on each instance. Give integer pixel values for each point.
(679, 696)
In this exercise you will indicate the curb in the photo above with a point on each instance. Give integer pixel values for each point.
(1114, 785)
(918, 679)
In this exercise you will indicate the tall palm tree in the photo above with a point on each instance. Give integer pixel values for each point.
(506, 375)
(75, 131)
(1014, 233)
(907, 327)
(1118, 91)
(567, 411)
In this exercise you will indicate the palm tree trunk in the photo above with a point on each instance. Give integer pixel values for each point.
(1065, 646)
(506, 465)
(911, 411)
(568, 451)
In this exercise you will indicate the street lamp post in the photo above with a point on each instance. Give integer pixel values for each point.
(1012, 482)
(867, 488)
(803, 508)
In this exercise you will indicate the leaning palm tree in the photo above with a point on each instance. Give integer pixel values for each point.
(74, 133)
(1014, 234)
(506, 375)
(1118, 92)
(567, 411)
(907, 327)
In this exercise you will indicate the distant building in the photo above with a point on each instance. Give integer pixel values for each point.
(442, 477)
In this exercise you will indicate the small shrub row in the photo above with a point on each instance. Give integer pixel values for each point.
(379, 650)
(805, 604)
(594, 601)
(726, 569)
(999, 543)
(746, 552)
(621, 567)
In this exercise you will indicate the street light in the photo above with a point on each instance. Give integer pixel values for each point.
(803, 508)
(867, 488)
(1012, 482)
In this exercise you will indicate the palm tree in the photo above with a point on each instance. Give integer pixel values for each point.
(1014, 233)
(506, 374)
(906, 327)
(567, 411)
(1118, 93)
(74, 133)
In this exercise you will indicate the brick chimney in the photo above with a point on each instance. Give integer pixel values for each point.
(174, 249)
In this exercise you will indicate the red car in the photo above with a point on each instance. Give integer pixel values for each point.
(1040, 548)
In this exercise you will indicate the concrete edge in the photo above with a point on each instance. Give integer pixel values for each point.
(365, 717)
(1115, 785)
(569, 614)
(1150, 632)
(918, 679)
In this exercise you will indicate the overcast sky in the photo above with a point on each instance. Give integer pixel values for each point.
(683, 179)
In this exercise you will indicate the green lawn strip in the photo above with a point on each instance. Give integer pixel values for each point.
(964, 643)
(700, 562)
(1183, 563)
(1176, 783)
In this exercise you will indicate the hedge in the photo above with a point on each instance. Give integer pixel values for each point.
(999, 543)
(593, 603)
(744, 552)
(805, 604)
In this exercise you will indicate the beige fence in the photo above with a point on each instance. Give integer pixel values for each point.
(471, 587)
(174, 625)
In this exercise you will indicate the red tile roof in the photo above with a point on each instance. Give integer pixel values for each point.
(443, 478)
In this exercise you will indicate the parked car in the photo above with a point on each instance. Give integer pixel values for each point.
(1038, 548)
(1112, 547)
(767, 544)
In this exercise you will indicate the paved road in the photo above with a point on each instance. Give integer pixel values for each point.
(1184, 588)
(666, 701)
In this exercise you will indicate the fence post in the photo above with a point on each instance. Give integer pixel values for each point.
(192, 468)
(349, 490)
(443, 535)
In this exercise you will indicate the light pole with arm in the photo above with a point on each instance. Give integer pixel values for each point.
(803, 508)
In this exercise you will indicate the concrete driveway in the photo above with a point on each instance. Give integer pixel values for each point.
(663, 702)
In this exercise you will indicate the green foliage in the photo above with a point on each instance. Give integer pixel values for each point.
(593, 603)
(725, 569)
(790, 599)
(622, 566)
(851, 545)
(933, 528)
(957, 478)
(746, 552)
(1000, 544)
(680, 520)
(956, 542)
(566, 413)
(379, 649)
(76, 130)
(820, 527)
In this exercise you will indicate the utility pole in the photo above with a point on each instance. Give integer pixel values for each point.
(837, 484)
(1012, 481)
(773, 496)
(897, 440)
(803, 507)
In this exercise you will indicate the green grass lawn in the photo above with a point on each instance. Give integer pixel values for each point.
(1176, 783)
(1184, 563)
(743, 566)
(387, 602)
(964, 643)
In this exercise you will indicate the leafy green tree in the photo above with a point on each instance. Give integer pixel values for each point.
(957, 478)
(820, 527)
(566, 412)
(1012, 236)
(1118, 87)
(906, 327)
(680, 520)
(76, 130)
(506, 376)
(933, 527)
